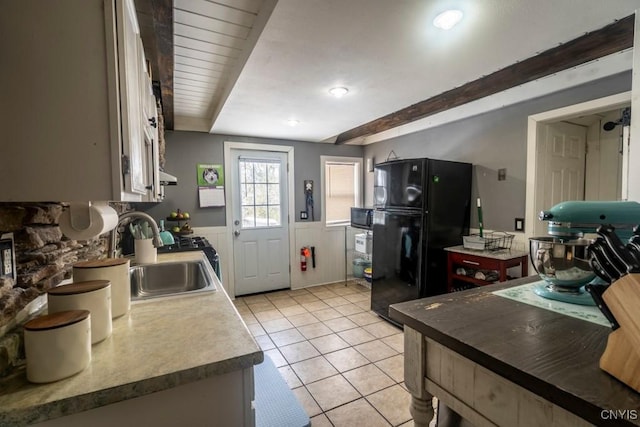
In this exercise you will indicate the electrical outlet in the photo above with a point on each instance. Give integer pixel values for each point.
(502, 174)
(304, 215)
(7, 260)
(519, 224)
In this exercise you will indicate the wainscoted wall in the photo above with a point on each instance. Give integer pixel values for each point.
(330, 247)
(330, 252)
(329, 243)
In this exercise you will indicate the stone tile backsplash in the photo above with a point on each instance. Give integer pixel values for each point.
(44, 258)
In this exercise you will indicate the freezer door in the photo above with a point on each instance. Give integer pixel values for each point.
(396, 261)
(398, 184)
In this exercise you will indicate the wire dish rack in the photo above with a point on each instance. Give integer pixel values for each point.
(491, 241)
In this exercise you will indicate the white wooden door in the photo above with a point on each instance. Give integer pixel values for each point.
(564, 159)
(564, 173)
(260, 221)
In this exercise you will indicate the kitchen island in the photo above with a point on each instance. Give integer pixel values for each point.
(176, 360)
(496, 361)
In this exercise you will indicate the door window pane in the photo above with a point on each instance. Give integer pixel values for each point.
(273, 173)
(260, 171)
(274, 214)
(248, 217)
(262, 218)
(246, 193)
(274, 194)
(260, 193)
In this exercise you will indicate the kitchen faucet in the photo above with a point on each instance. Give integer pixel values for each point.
(157, 240)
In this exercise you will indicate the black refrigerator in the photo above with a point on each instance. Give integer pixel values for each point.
(421, 207)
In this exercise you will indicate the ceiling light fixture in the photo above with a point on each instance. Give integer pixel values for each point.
(448, 19)
(338, 92)
(293, 122)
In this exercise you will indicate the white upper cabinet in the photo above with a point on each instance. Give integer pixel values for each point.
(72, 106)
(131, 66)
(151, 155)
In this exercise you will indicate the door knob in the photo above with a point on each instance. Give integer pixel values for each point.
(236, 233)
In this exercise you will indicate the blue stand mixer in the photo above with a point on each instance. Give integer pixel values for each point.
(564, 258)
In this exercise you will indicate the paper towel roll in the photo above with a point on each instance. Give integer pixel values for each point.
(83, 221)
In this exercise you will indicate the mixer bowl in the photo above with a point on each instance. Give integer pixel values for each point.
(561, 263)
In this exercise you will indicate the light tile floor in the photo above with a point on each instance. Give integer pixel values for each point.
(344, 364)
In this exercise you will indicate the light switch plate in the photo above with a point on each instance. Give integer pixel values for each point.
(304, 215)
(519, 224)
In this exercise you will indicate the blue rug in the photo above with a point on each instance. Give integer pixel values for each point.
(275, 404)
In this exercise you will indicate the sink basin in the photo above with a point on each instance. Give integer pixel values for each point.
(170, 278)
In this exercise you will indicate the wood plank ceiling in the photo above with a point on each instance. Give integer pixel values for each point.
(195, 63)
(198, 48)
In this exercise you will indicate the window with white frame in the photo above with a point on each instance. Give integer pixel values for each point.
(342, 188)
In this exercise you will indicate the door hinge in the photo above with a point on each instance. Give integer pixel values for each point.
(289, 268)
(287, 167)
(126, 165)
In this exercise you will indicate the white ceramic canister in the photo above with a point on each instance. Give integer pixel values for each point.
(57, 345)
(115, 270)
(94, 295)
(145, 252)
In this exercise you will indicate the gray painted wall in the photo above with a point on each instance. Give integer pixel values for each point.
(491, 141)
(186, 149)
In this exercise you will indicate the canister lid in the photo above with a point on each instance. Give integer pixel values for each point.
(97, 263)
(79, 287)
(56, 320)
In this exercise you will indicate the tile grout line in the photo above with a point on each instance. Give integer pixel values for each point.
(306, 311)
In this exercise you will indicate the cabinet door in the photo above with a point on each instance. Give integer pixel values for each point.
(148, 120)
(87, 115)
(130, 101)
(151, 154)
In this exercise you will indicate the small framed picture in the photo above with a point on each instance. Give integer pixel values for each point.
(210, 175)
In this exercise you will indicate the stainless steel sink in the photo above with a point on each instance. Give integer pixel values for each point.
(170, 278)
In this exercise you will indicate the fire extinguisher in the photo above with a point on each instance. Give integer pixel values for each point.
(304, 253)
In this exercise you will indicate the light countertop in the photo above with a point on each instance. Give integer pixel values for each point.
(161, 343)
(501, 254)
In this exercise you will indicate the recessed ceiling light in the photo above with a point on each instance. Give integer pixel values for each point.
(338, 92)
(448, 19)
(293, 122)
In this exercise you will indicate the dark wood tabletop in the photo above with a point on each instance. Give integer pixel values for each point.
(553, 355)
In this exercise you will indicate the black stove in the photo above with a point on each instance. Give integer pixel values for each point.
(186, 243)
